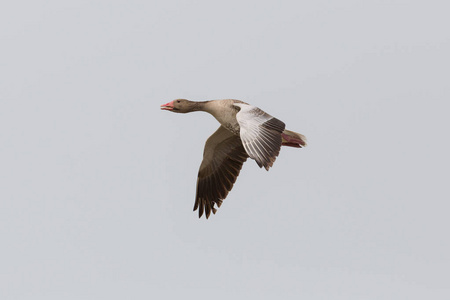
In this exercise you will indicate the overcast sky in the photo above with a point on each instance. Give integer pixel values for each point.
(97, 184)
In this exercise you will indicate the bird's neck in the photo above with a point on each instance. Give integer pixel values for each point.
(200, 106)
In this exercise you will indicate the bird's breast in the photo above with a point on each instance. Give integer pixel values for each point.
(225, 114)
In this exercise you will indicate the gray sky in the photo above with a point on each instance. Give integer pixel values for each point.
(98, 184)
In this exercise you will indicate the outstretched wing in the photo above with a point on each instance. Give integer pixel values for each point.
(223, 158)
(260, 134)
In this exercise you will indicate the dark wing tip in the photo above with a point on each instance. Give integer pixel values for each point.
(274, 124)
(204, 206)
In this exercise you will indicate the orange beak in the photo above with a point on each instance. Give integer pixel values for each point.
(167, 106)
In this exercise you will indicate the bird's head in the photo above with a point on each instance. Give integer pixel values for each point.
(179, 106)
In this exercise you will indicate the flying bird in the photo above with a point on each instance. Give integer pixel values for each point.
(245, 131)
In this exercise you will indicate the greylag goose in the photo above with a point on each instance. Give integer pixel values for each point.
(245, 131)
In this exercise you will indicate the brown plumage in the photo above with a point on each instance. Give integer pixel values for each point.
(223, 158)
(245, 131)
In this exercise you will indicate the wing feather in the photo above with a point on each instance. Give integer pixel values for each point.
(260, 134)
(223, 158)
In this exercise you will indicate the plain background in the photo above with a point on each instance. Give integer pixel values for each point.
(98, 185)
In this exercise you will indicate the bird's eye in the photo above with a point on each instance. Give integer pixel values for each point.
(178, 101)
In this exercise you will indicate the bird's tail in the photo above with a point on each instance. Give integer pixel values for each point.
(293, 139)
